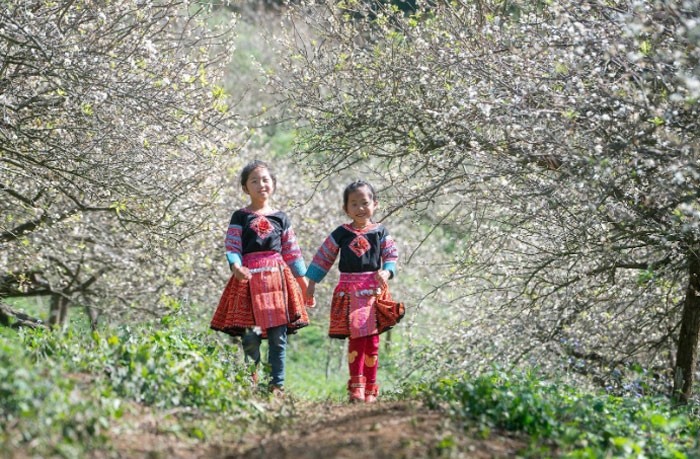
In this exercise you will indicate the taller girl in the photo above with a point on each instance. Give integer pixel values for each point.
(265, 294)
(368, 258)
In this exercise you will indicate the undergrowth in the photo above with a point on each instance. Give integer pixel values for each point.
(565, 421)
(61, 392)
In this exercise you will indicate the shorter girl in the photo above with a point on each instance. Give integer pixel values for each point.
(264, 297)
(368, 258)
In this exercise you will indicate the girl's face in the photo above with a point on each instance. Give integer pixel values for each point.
(361, 206)
(259, 185)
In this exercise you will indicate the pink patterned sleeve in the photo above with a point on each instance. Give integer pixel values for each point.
(323, 260)
(291, 253)
(390, 254)
(234, 244)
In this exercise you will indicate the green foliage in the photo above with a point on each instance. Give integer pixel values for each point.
(579, 423)
(40, 400)
(66, 393)
(165, 368)
(60, 393)
(160, 364)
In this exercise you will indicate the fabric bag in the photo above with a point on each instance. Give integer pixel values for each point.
(388, 312)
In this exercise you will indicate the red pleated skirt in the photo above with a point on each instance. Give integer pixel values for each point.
(362, 306)
(269, 299)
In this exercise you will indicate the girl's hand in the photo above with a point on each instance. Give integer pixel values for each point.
(383, 275)
(310, 301)
(303, 285)
(241, 272)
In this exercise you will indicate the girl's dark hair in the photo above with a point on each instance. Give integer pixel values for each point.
(354, 186)
(251, 166)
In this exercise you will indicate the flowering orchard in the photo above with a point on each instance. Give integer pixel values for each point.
(113, 132)
(553, 146)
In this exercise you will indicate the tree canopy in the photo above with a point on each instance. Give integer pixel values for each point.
(556, 141)
(113, 121)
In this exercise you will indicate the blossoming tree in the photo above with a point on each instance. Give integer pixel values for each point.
(112, 128)
(556, 142)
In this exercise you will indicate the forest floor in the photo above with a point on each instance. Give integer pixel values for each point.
(384, 430)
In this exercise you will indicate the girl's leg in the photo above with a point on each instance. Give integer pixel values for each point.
(251, 346)
(356, 355)
(370, 368)
(277, 339)
(356, 359)
(251, 349)
(371, 360)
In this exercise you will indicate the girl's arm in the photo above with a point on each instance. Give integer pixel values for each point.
(390, 255)
(323, 260)
(234, 245)
(291, 253)
(320, 265)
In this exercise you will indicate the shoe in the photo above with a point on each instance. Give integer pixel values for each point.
(277, 391)
(254, 378)
(371, 392)
(356, 389)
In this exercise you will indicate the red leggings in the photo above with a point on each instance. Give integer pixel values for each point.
(363, 357)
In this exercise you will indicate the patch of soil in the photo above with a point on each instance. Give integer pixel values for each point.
(384, 430)
(323, 430)
(144, 433)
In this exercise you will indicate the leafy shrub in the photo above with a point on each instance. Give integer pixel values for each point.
(39, 400)
(162, 364)
(166, 368)
(60, 392)
(579, 423)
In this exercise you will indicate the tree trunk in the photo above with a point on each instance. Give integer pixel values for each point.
(58, 311)
(4, 317)
(687, 353)
(94, 316)
(329, 357)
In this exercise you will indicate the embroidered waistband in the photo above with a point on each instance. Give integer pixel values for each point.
(358, 277)
(260, 261)
(263, 269)
(267, 255)
(359, 284)
(364, 292)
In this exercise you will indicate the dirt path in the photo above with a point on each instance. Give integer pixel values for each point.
(383, 431)
(323, 430)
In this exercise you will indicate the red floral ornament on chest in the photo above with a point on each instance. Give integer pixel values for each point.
(261, 226)
(359, 246)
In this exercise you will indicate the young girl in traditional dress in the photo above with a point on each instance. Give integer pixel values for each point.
(264, 297)
(368, 258)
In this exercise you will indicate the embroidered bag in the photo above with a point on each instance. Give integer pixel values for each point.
(388, 311)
